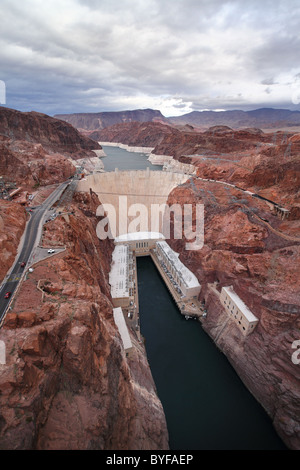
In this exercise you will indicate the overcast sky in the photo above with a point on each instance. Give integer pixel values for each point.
(62, 56)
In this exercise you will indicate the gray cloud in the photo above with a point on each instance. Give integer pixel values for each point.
(88, 55)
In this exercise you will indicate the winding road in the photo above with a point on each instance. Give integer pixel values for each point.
(30, 240)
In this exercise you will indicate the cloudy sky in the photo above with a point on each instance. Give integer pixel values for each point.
(62, 56)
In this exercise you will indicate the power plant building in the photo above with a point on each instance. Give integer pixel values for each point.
(119, 276)
(184, 278)
(140, 242)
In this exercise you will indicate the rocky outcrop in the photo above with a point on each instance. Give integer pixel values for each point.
(67, 383)
(240, 250)
(53, 134)
(38, 150)
(29, 165)
(168, 140)
(134, 134)
(12, 224)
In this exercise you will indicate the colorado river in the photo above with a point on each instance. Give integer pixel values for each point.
(207, 406)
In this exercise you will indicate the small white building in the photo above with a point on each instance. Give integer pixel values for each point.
(123, 330)
(238, 310)
(185, 279)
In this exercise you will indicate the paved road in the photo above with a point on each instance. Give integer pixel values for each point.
(30, 241)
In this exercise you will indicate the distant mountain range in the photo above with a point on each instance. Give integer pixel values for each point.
(98, 121)
(263, 118)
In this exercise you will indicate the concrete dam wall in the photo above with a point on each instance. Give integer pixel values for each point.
(122, 189)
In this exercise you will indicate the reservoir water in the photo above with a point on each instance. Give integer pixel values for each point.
(207, 406)
(123, 160)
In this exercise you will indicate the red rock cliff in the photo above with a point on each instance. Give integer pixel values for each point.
(12, 225)
(53, 134)
(262, 265)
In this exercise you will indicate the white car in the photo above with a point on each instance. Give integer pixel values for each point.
(51, 251)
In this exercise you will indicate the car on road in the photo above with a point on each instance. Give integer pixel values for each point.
(23, 264)
(51, 251)
(7, 295)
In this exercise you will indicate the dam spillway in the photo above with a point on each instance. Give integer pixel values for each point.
(142, 187)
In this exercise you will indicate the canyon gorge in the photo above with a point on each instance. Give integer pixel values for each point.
(67, 382)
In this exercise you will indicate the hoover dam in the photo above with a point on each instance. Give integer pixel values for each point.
(142, 189)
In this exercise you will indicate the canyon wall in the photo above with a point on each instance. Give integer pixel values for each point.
(262, 266)
(52, 134)
(37, 150)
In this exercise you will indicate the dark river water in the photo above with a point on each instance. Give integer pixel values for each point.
(207, 406)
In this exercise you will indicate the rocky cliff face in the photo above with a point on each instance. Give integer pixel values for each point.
(12, 224)
(168, 140)
(262, 265)
(134, 134)
(36, 149)
(53, 134)
(67, 383)
(29, 165)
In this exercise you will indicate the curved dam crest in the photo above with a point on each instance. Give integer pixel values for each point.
(139, 186)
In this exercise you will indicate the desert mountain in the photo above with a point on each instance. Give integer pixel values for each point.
(262, 118)
(96, 121)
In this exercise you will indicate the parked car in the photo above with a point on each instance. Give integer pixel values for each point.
(7, 295)
(51, 251)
